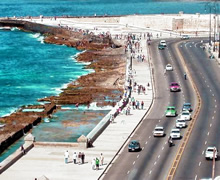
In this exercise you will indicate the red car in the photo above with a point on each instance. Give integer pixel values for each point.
(174, 87)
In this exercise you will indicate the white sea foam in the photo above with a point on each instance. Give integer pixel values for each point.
(12, 110)
(93, 106)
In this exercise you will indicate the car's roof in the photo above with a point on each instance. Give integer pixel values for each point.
(185, 111)
(175, 129)
(187, 104)
(134, 141)
(174, 83)
(171, 107)
(162, 40)
(168, 64)
(211, 147)
(158, 127)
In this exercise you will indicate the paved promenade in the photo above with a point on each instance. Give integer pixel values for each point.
(48, 161)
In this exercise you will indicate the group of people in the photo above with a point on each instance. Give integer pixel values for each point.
(78, 158)
(137, 104)
(97, 162)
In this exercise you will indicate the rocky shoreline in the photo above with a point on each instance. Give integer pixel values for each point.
(104, 56)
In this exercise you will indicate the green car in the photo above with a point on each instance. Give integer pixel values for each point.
(161, 47)
(171, 111)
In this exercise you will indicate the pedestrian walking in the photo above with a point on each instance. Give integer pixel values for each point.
(22, 149)
(79, 158)
(97, 163)
(74, 157)
(101, 159)
(93, 164)
(66, 155)
(83, 157)
(142, 104)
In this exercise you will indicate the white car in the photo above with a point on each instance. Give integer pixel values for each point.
(180, 123)
(209, 153)
(163, 43)
(158, 131)
(175, 133)
(185, 115)
(169, 67)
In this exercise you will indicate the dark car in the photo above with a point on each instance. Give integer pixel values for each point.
(134, 145)
(187, 107)
(161, 47)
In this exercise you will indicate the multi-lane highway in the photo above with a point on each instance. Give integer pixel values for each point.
(156, 157)
(206, 75)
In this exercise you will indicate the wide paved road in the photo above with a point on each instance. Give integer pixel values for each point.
(155, 159)
(206, 75)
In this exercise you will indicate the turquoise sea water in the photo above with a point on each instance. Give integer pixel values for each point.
(30, 69)
(99, 7)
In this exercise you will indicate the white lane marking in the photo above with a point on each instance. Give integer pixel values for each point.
(155, 163)
(159, 120)
(149, 137)
(162, 148)
(215, 100)
(142, 148)
(200, 163)
(208, 134)
(203, 152)
(196, 177)
(213, 95)
(215, 106)
(207, 85)
(150, 172)
(210, 90)
(146, 142)
(214, 112)
(205, 142)
(158, 157)
(133, 162)
(138, 156)
(205, 81)
(210, 125)
(165, 143)
(128, 172)
(213, 117)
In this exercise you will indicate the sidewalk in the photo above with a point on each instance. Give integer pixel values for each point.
(48, 161)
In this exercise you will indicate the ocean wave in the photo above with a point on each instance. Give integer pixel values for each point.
(93, 106)
(38, 36)
(8, 112)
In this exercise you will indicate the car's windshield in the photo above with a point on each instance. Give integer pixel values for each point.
(185, 113)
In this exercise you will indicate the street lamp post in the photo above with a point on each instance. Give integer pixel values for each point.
(211, 6)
